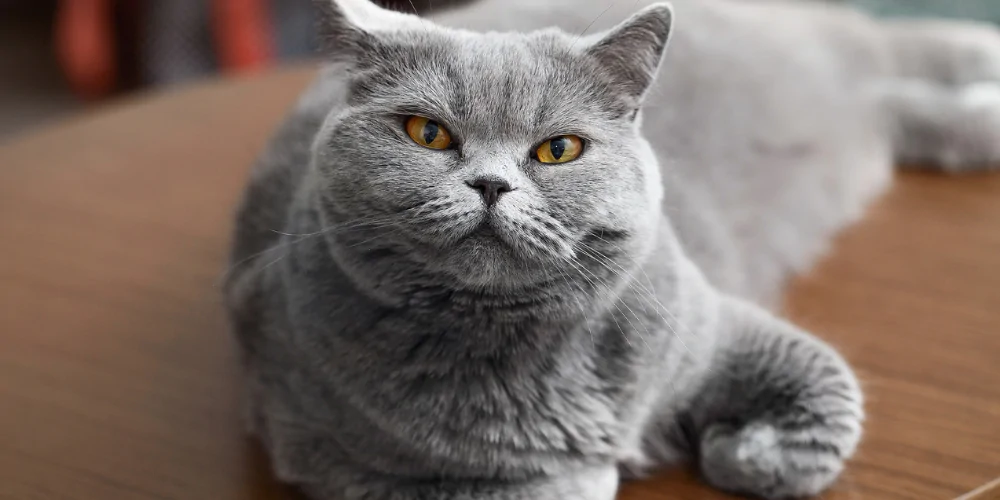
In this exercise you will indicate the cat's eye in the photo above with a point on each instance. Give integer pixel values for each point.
(560, 149)
(427, 133)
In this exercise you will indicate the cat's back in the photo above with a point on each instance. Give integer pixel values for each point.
(768, 139)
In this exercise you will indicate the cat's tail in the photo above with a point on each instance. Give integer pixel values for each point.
(944, 99)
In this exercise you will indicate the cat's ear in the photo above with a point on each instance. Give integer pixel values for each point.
(631, 52)
(349, 29)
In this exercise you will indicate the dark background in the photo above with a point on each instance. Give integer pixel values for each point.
(61, 56)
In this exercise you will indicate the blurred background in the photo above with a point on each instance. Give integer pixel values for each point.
(60, 56)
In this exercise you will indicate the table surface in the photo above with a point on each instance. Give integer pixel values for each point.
(118, 379)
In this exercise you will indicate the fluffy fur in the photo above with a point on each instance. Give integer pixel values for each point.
(606, 316)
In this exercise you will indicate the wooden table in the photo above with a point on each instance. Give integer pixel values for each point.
(118, 380)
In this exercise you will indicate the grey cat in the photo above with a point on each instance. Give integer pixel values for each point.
(500, 254)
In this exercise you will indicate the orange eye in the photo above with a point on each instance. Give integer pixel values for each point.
(427, 133)
(560, 149)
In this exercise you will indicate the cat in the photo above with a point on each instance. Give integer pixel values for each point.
(502, 254)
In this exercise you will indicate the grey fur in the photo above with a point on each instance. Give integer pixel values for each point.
(607, 317)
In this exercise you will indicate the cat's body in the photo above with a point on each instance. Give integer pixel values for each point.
(607, 317)
(769, 117)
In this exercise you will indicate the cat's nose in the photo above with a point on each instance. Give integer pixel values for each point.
(490, 188)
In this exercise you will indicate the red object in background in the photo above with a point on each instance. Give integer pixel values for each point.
(85, 46)
(86, 41)
(243, 34)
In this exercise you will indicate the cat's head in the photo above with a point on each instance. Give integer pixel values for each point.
(496, 159)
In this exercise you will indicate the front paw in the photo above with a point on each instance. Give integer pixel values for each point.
(763, 461)
(801, 420)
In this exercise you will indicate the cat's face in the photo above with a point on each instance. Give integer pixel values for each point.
(496, 159)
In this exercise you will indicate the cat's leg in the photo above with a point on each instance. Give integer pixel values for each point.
(943, 95)
(949, 53)
(309, 456)
(597, 483)
(779, 412)
(953, 129)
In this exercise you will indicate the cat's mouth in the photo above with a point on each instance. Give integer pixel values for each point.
(505, 248)
(504, 251)
(485, 231)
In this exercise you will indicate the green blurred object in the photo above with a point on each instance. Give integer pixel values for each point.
(983, 10)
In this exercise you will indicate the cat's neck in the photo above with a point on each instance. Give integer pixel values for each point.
(379, 296)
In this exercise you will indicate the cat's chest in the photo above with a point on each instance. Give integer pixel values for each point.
(561, 412)
(442, 390)
(529, 407)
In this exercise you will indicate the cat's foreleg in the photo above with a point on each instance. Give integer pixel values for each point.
(779, 412)
(590, 483)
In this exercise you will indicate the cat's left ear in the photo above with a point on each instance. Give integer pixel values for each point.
(631, 52)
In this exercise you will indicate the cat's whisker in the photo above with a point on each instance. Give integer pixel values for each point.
(262, 269)
(591, 25)
(647, 293)
(414, 7)
(344, 225)
(651, 289)
(420, 18)
(373, 238)
(651, 293)
(583, 310)
(269, 264)
(630, 281)
(251, 258)
(673, 384)
(582, 269)
(534, 238)
(232, 268)
(373, 222)
(598, 290)
(643, 293)
(294, 235)
(636, 316)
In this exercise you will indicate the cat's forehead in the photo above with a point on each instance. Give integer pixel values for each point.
(519, 82)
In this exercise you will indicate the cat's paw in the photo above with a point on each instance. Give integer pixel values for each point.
(954, 130)
(977, 48)
(975, 144)
(766, 462)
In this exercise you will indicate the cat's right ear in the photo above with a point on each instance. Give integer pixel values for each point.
(349, 29)
(632, 51)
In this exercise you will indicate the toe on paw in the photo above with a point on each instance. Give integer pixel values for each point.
(758, 461)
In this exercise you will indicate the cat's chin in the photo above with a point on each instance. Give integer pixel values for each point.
(482, 260)
(486, 254)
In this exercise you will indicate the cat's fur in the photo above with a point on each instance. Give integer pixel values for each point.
(607, 316)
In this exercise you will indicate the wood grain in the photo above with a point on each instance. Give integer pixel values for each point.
(118, 380)
(990, 491)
